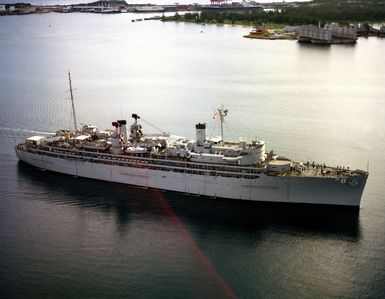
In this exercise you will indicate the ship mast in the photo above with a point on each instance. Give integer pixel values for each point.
(222, 112)
(72, 101)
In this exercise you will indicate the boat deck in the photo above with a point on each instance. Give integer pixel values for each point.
(178, 164)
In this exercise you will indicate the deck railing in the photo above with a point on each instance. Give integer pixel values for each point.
(151, 163)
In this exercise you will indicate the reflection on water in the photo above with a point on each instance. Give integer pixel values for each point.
(314, 47)
(228, 215)
(147, 239)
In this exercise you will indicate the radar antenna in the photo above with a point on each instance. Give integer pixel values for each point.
(72, 101)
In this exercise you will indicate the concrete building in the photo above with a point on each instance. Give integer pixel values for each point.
(331, 34)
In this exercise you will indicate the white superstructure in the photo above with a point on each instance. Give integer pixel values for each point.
(205, 166)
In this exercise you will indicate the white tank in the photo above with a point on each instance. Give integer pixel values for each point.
(200, 133)
(279, 166)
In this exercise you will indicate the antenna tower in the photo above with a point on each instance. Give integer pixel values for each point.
(222, 112)
(72, 101)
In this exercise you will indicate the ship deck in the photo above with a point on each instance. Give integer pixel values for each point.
(324, 172)
(184, 165)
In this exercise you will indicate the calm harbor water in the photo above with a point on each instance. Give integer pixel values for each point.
(62, 236)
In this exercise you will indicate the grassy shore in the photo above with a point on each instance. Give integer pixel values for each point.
(272, 26)
(311, 12)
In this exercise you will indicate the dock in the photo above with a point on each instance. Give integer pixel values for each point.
(332, 34)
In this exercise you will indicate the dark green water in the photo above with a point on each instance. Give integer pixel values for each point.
(62, 236)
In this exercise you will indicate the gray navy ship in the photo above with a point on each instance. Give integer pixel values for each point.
(206, 166)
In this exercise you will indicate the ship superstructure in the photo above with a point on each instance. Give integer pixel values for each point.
(204, 166)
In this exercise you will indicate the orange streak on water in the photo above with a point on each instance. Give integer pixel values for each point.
(189, 239)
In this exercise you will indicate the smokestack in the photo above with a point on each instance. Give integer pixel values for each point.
(200, 133)
(117, 130)
(123, 130)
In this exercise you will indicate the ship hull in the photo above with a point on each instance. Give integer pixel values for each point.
(266, 188)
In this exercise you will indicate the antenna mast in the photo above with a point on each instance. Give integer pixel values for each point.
(72, 101)
(222, 114)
